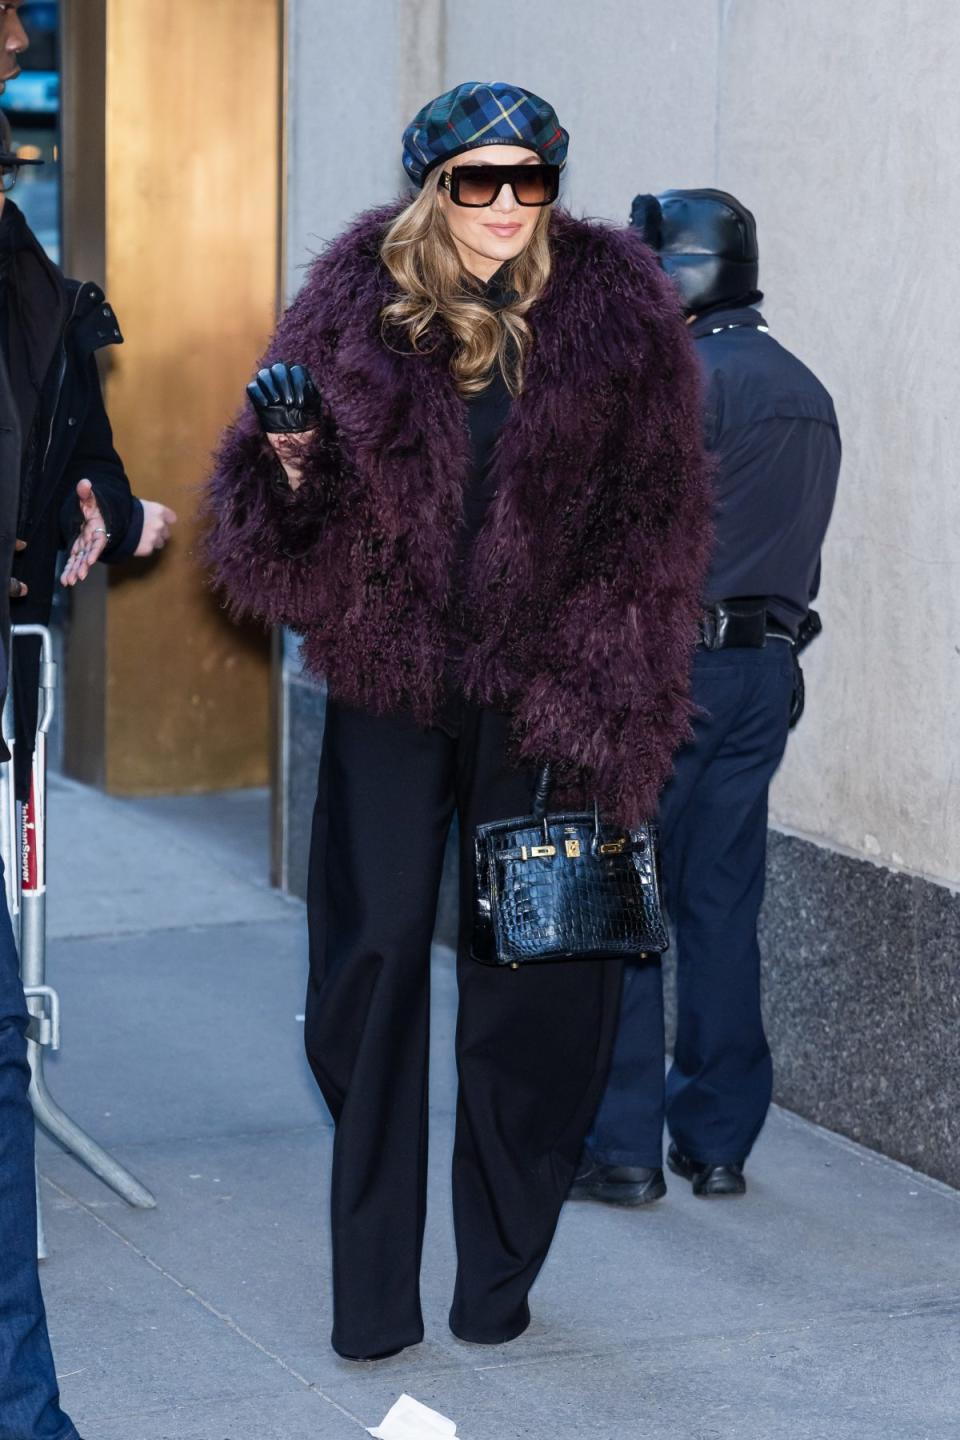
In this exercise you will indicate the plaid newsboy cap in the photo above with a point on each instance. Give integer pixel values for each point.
(476, 114)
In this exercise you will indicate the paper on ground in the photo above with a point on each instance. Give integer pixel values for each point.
(409, 1420)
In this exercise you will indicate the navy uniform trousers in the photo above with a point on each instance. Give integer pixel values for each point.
(713, 821)
(533, 1045)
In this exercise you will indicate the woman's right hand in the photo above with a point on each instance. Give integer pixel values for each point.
(288, 406)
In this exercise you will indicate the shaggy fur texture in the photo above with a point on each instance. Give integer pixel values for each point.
(584, 585)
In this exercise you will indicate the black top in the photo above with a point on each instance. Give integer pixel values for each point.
(486, 414)
(772, 429)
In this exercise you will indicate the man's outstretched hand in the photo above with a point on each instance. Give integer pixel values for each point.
(158, 519)
(92, 540)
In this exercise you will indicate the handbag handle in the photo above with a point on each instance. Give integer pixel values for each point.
(541, 798)
(541, 790)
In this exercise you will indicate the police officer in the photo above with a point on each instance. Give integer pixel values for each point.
(772, 431)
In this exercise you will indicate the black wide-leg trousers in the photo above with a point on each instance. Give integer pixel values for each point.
(533, 1044)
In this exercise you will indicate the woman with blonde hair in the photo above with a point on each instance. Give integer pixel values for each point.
(471, 479)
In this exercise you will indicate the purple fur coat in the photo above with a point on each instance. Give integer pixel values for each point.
(583, 587)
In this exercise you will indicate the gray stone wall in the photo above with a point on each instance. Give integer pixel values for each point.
(862, 1001)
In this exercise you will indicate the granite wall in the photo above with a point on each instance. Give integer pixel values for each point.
(862, 1001)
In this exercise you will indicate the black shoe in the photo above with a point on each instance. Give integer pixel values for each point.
(708, 1179)
(618, 1184)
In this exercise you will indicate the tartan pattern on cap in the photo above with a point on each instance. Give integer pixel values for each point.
(477, 114)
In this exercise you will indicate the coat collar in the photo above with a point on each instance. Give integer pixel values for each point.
(91, 319)
(591, 333)
(727, 317)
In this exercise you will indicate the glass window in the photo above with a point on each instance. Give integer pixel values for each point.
(32, 104)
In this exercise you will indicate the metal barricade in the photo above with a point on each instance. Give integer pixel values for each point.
(23, 840)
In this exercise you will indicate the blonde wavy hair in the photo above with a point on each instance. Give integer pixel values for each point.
(419, 252)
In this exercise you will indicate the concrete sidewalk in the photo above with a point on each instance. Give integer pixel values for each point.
(825, 1305)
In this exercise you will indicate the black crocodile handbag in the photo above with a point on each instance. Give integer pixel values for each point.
(565, 887)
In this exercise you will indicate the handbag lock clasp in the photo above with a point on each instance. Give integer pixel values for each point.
(537, 852)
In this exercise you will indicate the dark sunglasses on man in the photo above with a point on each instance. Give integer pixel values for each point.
(475, 186)
(10, 161)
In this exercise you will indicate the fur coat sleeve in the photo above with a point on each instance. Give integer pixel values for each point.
(261, 535)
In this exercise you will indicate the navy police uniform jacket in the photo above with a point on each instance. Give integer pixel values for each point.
(772, 431)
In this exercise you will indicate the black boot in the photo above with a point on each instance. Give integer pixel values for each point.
(708, 1179)
(617, 1184)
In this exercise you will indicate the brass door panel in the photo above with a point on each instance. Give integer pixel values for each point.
(193, 182)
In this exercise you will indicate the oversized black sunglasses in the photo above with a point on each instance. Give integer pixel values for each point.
(475, 186)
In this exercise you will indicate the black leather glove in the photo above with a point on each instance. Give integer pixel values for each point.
(285, 399)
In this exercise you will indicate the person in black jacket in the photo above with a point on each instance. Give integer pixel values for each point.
(61, 483)
(73, 492)
(29, 1395)
(772, 432)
